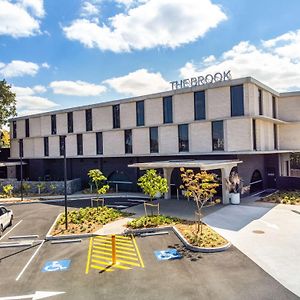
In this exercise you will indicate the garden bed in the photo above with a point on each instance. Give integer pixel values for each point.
(208, 239)
(283, 197)
(86, 220)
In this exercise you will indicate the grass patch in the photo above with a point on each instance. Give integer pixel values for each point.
(208, 239)
(86, 220)
(283, 197)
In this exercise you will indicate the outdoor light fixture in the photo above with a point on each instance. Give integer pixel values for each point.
(21, 165)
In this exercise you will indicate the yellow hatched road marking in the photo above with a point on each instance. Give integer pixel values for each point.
(100, 254)
(89, 256)
(138, 252)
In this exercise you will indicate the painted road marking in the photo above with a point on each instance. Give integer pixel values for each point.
(10, 230)
(100, 254)
(36, 295)
(56, 265)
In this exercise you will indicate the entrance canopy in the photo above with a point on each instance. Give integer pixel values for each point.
(224, 165)
(188, 163)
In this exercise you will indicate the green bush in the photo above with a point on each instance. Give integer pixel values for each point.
(100, 215)
(7, 190)
(152, 221)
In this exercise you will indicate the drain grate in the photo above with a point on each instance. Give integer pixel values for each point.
(258, 231)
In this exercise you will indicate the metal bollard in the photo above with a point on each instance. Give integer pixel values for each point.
(113, 249)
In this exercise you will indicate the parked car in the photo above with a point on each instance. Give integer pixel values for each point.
(6, 218)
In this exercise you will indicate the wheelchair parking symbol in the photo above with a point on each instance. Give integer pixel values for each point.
(56, 265)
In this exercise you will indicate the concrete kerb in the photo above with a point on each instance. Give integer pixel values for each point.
(181, 237)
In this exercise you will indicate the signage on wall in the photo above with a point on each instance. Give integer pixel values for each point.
(201, 80)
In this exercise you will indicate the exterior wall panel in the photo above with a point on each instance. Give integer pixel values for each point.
(140, 138)
(102, 118)
(168, 139)
(113, 142)
(79, 121)
(46, 125)
(289, 137)
(288, 108)
(183, 108)
(200, 137)
(61, 124)
(89, 144)
(153, 112)
(218, 103)
(128, 115)
(35, 127)
(20, 129)
(54, 146)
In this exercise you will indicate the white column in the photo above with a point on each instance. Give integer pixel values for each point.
(225, 193)
(167, 175)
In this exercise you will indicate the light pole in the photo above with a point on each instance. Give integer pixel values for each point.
(63, 145)
(21, 165)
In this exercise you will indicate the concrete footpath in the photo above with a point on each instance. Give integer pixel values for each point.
(268, 234)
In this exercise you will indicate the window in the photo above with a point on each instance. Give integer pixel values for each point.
(62, 145)
(199, 105)
(128, 141)
(116, 116)
(140, 113)
(260, 102)
(27, 127)
(53, 124)
(274, 110)
(88, 120)
(168, 110)
(237, 100)
(287, 168)
(21, 152)
(275, 137)
(183, 138)
(70, 122)
(14, 129)
(46, 146)
(99, 143)
(217, 135)
(254, 134)
(79, 144)
(153, 139)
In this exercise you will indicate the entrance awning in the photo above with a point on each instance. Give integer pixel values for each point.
(202, 164)
(224, 165)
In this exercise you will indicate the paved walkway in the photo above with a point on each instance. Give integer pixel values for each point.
(268, 234)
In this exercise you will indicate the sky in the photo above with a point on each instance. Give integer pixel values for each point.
(64, 53)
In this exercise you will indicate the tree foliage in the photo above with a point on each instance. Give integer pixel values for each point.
(7, 103)
(201, 187)
(5, 139)
(151, 183)
(98, 178)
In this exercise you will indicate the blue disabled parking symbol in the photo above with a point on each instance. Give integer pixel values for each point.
(167, 254)
(56, 265)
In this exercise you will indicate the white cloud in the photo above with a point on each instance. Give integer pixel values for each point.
(36, 6)
(18, 68)
(45, 65)
(29, 103)
(139, 82)
(77, 88)
(39, 89)
(20, 19)
(166, 23)
(89, 9)
(275, 62)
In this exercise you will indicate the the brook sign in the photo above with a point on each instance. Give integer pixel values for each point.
(200, 80)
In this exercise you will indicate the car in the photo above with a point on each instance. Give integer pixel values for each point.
(6, 218)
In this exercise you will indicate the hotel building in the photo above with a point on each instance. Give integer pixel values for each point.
(238, 123)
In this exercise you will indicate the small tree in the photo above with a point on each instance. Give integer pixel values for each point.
(41, 186)
(201, 187)
(98, 178)
(7, 190)
(151, 183)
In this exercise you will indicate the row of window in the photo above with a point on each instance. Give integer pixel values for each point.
(237, 109)
(183, 140)
(275, 135)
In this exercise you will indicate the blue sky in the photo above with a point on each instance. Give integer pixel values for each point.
(64, 53)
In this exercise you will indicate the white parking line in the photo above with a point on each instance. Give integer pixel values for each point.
(10, 230)
(32, 257)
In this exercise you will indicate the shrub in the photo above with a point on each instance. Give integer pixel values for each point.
(26, 187)
(7, 190)
(152, 221)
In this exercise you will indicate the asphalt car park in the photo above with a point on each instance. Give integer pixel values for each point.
(224, 275)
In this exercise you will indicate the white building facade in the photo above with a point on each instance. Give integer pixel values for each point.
(238, 119)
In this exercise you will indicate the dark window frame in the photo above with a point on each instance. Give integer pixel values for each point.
(168, 109)
(274, 108)
(62, 145)
(254, 134)
(140, 113)
(70, 122)
(53, 125)
(199, 106)
(79, 140)
(21, 148)
(27, 128)
(128, 141)
(154, 139)
(99, 143)
(14, 129)
(183, 143)
(213, 128)
(116, 116)
(275, 133)
(237, 100)
(260, 102)
(89, 120)
(46, 146)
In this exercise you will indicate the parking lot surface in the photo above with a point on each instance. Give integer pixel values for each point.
(225, 275)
